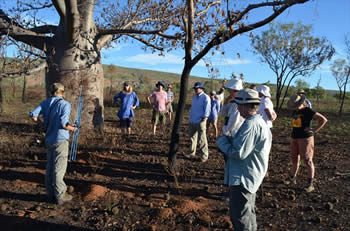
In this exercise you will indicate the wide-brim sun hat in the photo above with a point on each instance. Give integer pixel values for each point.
(126, 83)
(198, 85)
(235, 84)
(265, 90)
(301, 91)
(160, 83)
(246, 96)
(213, 93)
(295, 101)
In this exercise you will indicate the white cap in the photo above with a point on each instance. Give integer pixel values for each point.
(265, 90)
(235, 84)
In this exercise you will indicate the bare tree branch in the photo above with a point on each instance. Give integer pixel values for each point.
(60, 7)
(207, 8)
(37, 68)
(72, 20)
(45, 29)
(147, 43)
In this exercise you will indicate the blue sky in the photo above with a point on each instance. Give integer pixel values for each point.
(330, 19)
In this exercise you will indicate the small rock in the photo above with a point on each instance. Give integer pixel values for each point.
(292, 197)
(318, 220)
(115, 210)
(124, 179)
(70, 189)
(167, 196)
(36, 157)
(310, 208)
(21, 213)
(3, 207)
(37, 208)
(329, 206)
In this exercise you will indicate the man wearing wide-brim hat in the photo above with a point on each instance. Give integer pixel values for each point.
(199, 113)
(158, 100)
(246, 155)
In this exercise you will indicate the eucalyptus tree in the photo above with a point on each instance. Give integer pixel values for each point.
(290, 51)
(204, 26)
(341, 72)
(72, 33)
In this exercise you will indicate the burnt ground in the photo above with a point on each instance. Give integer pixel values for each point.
(122, 184)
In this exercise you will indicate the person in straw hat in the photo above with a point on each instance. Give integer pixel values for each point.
(302, 137)
(214, 110)
(302, 92)
(266, 106)
(247, 156)
(56, 112)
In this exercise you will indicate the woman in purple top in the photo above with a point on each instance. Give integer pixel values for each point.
(129, 102)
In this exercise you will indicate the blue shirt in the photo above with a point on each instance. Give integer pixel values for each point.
(200, 108)
(247, 153)
(215, 108)
(127, 100)
(59, 117)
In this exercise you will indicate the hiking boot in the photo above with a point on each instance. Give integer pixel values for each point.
(310, 188)
(291, 181)
(65, 198)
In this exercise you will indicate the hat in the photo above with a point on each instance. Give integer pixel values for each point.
(126, 83)
(246, 96)
(170, 86)
(198, 85)
(295, 101)
(160, 83)
(265, 90)
(213, 93)
(301, 91)
(235, 84)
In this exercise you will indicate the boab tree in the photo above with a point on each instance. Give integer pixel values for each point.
(205, 25)
(290, 51)
(72, 47)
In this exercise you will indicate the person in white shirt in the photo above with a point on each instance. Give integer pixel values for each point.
(266, 106)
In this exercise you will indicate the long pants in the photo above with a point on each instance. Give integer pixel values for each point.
(57, 160)
(199, 131)
(242, 209)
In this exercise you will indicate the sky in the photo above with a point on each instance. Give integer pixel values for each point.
(330, 19)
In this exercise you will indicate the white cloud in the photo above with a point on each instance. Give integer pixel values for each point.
(225, 62)
(155, 59)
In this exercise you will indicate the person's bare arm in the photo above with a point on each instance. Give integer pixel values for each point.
(321, 121)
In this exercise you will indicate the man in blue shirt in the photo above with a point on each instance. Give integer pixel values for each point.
(56, 112)
(200, 110)
(246, 154)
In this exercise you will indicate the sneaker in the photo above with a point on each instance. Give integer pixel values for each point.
(290, 181)
(204, 160)
(310, 188)
(65, 198)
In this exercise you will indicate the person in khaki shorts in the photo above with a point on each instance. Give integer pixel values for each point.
(56, 112)
(158, 100)
(200, 110)
(302, 138)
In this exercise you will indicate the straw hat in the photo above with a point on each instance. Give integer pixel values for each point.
(160, 83)
(295, 101)
(246, 96)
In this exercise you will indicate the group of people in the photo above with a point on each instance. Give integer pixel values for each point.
(245, 142)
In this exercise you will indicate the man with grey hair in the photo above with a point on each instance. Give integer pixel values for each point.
(56, 112)
(246, 154)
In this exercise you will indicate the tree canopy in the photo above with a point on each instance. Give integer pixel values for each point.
(290, 51)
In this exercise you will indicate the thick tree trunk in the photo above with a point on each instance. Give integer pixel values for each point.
(24, 90)
(79, 65)
(1, 98)
(175, 135)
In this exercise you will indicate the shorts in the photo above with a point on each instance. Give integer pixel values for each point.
(169, 108)
(303, 147)
(125, 123)
(158, 116)
(213, 121)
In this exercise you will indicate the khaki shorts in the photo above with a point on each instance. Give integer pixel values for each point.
(303, 147)
(169, 108)
(158, 116)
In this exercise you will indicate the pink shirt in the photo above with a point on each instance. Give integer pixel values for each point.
(160, 99)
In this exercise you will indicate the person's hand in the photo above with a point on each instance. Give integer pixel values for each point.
(133, 107)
